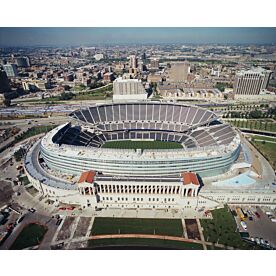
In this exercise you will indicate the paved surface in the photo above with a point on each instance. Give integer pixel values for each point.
(33, 218)
(262, 228)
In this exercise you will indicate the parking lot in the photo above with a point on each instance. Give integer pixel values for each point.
(258, 224)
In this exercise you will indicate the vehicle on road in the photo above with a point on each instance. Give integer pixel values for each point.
(273, 219)
(62, 208)
(257, 215)
(250, 218)
(20, 219)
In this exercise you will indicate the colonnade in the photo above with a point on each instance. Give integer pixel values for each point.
(162, 189)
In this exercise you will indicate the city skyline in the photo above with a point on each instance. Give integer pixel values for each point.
(22, 37)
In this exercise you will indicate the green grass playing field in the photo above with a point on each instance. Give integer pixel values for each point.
(103, 226)
(129, 144)
(132, 243)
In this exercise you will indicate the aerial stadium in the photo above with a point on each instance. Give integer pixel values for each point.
(102, 157)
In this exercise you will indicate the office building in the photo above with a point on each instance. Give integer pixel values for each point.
(251, 82)
(154, 64)
(179, 71)
(10, 70)
(4, 82)
(133, 62)
(128, 89)
(23, 62)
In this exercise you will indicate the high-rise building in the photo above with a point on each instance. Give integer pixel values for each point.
(179, 71)
(128, 89)
(23, 62)
(133, 62)
(4, 82)
(251, 82)
(144, 57)
(10, 70)
(154, 63)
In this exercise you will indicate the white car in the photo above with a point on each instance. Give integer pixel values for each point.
(243, 224)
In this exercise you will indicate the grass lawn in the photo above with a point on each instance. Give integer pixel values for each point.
(169, 227)
(128, 144)
(24, 180)
(222, 228)
(31, 235)
(268, 150)
(151, 243)
(258, 137)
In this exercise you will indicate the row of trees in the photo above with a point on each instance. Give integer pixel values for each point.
(255, 124)
(255, 114)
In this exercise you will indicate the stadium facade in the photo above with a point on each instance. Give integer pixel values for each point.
(69, 164)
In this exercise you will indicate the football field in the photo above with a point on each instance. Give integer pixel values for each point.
(131, 144)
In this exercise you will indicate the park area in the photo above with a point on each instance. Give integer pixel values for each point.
(30, 236)
(257, 124)
(104, 226)
(222, 229)
(267, 146)
(129, 144)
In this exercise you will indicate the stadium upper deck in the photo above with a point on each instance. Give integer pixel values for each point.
(154, 116)
(209, 147)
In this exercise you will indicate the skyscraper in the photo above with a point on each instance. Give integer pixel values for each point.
(4, 82)
(23, 62)
(251, 82)
(133, 62)
(10, 70)
(154, 63)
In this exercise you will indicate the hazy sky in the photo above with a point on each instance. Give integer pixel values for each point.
(90, 36)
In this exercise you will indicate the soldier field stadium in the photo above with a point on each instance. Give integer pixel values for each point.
(148, 155)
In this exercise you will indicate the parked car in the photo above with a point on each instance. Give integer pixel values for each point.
(58, 221)
(32, 210)
(257, 241)
(267, 243)
(257, 215)
(243, 224)
(250, 218)
(262, 241)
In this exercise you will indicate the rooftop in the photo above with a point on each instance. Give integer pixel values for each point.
(87, 177)
(190, 178)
